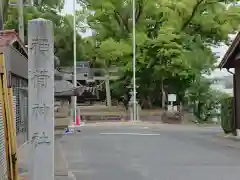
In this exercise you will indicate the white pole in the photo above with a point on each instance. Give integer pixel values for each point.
(75, 60)
(21, 20)
(134, 59)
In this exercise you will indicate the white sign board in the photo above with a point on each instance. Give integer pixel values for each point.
(171, 97)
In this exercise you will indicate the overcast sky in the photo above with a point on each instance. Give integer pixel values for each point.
(68, 8)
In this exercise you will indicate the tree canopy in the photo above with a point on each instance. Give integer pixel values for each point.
(173, 40)
(63, 26)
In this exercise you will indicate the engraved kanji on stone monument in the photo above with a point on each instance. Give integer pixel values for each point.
(40, 110)
(39, 45)
(40, 78)
(40, 138)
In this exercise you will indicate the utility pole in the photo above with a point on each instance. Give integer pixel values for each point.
(21, 20)
(20, 5)
(1, 15)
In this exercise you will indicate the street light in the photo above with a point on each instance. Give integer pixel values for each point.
(134, 59)
(74, 98)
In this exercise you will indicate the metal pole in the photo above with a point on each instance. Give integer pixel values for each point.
(75, 60)
(134, 59)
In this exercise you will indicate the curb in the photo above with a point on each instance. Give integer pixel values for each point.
(234, 138)
(23, 177)
(230, 137)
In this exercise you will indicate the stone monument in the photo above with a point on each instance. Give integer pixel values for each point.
(41, 99)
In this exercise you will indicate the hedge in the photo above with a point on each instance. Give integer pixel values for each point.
(227, 115)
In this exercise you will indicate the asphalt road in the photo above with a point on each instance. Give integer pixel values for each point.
(151, 153)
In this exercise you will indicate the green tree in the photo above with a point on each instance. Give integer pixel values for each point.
(204, 100)
(64, 42)
(63, 27)
(173, 40)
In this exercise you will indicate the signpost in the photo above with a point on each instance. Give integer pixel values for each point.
(41, 99)
(171, 98)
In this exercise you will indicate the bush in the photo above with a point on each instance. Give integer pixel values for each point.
(227, 116)
(171, 117)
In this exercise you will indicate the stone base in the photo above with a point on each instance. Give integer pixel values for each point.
(238, 133)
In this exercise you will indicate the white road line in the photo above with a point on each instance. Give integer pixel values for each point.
(133, 134)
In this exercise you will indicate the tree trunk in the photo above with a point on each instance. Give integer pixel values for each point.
(108, 92)
(143, 101)
(146, 102)
(199, 107)
(163, 95)
(149, 102)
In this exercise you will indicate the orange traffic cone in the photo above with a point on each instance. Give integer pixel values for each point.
(78, 120)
